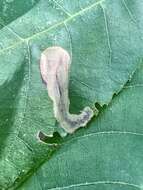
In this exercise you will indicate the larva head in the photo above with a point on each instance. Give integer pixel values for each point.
(52, 59)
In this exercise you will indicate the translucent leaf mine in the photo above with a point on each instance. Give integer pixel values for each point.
(55, 65)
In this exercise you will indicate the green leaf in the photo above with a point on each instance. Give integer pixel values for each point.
(104, 39)
(12, 9)
(107, 155)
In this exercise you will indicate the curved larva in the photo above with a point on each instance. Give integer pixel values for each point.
(55, 65)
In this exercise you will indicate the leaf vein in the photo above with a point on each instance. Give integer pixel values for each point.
(62, 8)
(128, 10)
(11, 30)
(106, 133)
(97, 183)
(107, 32)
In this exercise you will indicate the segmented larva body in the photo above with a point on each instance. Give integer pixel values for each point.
(55, 65)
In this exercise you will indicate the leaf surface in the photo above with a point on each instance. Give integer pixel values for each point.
(107, 155)
(104, 39)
